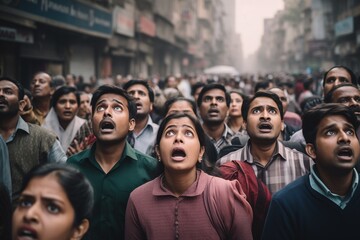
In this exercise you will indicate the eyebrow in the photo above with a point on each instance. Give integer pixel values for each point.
(46, 198)
(175, 126)
(113, 100)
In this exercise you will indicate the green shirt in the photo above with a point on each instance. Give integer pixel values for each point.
(112, 189)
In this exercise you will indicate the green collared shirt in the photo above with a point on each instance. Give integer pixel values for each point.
(320, 187)
(112, 189)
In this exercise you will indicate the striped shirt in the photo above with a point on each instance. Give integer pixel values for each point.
(225, 139)
(285, 165)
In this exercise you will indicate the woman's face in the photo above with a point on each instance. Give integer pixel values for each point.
(235, 105)
(66, 107)
(43, 212)
(179, 148)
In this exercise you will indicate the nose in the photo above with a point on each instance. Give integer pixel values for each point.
(353, 102)
(343, 137)
(67, 104)
(107, 112)
(265, 114)
(213, 101)
(178, 137)
(32, 213)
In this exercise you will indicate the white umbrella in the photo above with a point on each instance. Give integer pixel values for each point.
(222, 70)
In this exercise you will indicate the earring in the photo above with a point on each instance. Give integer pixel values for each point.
(159, 158)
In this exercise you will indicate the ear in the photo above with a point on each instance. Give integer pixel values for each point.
(201, 154)
(151, 107)
(80, 230)
(132, 124)
(22, 104)
(157, 151)
(310, 150)
(282, 125)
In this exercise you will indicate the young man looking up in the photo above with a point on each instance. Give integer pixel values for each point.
(325, 203)
(113, 167)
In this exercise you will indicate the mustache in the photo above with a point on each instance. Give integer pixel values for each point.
(354, 108)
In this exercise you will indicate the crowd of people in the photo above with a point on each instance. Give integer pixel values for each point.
(180, 158)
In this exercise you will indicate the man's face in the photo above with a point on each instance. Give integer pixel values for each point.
(141, 96)
(40, 85)
(335, 77)
(336, 146)
(348, 96)
(66, 108)
(9, 98)
(213, 108)
(110, 119)
(281, 94)
(84, 107)
(264, 120)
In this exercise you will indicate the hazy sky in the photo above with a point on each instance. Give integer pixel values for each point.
(249, 20)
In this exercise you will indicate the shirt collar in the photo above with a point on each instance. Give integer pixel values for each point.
(20, 126)
(279, 150)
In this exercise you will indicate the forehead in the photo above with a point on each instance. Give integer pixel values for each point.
(278, 92)
(137, 87)
(336, 120)
(235, 95)
(337, 72)
(68, 95)
(180, 105)
(8, 84)
(84, 97)
(111, 97)
(263, 102)
(345, 92)
(178, 122)
(42, 76)
(214, 92)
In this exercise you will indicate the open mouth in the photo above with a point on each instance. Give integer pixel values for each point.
(27, 234)
(345, 153)
(107, 125)
(178, 154)
(265, 126)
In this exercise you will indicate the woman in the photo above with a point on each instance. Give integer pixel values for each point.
(180, 203)
(62, 119)
(235, 120)
(56, 201)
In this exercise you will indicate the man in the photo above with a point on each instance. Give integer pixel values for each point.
(42, 89)
(213, 104)
(28, 144)
(113, 167)
(275, 164)
(292, 120)
(84, 107)
(144, 134)
(325, 203)
(338, 75)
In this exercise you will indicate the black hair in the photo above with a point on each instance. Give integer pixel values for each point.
(241, 94)
(171, 101)
(130, 83)
(307, 83)
(268, 94)
(61, 91)
(105, 89)
(76, 186)
(262, 84)
(310, 102)
(196, 86)
(6, 212)
(212, 86)
(352, 74)
(18, 85)
(329, 95)
(313, 117)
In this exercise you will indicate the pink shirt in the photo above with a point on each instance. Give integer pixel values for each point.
(153, 212)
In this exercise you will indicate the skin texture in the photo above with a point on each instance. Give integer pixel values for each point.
(235, 105)
(335, 77)
(334, 134)
(213, 109)
(180, 134)
(45, 210)
(141, 95)
(282, 97)
(84, 108)
(113, 109)
(264, 111)
(40, 85)
(66, 109)
(9, 100)
(181, 106)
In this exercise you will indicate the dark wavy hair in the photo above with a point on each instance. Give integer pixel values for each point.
(76, 186)
(61, 91)
(130, 83)
(212, 86)
(352, 74)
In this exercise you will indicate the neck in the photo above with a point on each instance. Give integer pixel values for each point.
(214, 131)
(140, 124)
(178, 183)
(337, 182)
(236, 123)
(262, 152)
(8, 126)
(42, 104)
(107, 155)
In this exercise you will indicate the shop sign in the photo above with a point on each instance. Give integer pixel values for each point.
(344, 27)
(124, 22)
(16, 35)
(147, 26)
(70, 14)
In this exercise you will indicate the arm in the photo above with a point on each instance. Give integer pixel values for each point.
(133, 229)
(56, 153)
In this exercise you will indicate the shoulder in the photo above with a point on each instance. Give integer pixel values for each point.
(293, 192)
(144, 190)
(79, 157)
(33, 128)
(234, 155)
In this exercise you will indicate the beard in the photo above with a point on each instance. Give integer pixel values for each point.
(12, 111)
(356, 110)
